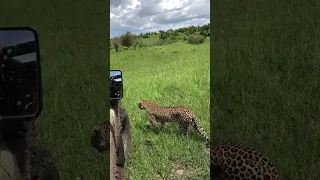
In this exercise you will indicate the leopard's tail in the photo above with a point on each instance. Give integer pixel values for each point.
(201, 131)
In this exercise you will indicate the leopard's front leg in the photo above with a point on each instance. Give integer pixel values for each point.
(152, 119)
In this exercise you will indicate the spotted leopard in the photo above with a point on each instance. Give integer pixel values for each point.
(238, 162)
(100, 138)
(183, 115)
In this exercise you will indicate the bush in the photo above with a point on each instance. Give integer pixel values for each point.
(163, 35)
(138, 43)
(203, 33)
(116, 44)
(124, 48)
(160, 42)
(196, 39)
(141, 44)
(145, 36)
(172, 38)
(135, 44)
(127, 39)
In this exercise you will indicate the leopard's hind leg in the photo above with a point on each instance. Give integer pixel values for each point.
(163, 124)
(183, 128)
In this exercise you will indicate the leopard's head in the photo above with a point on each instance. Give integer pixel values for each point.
(100, 139)
(142, 104)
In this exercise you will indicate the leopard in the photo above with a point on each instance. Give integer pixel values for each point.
(181, 114)
(100, 138)
(230, 161)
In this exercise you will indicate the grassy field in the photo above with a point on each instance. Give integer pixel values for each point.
(73, 43)
(170, 75)
(265, 81)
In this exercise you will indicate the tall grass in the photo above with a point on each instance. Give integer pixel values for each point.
(265, 81)
(170, 75)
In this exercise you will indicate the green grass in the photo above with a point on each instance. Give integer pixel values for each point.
(265, 81)
(170, 75)
(73, 44)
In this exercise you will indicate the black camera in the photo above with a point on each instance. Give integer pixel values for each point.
(116, 85)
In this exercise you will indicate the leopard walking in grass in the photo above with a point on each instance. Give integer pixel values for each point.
(183, 115)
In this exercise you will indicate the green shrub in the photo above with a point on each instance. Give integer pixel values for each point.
(160, 42)
(141, 44)
(196, 39)
(145, 36)
(125, 48)
(128, 39)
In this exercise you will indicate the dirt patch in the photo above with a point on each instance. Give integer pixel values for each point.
(180, 171)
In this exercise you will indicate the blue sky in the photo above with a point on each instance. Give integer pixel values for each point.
(11, 37)
(115, 73)
(141, 16)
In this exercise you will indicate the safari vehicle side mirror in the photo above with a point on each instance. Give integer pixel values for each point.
(116, 85)
(20, 74)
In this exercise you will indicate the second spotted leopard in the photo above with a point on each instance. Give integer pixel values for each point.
(182, 115)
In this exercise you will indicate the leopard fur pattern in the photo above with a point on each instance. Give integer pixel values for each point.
(100, 138)
(238, 162)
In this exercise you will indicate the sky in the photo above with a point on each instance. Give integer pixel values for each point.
(141, 16)
(13, 37)
(116, 73)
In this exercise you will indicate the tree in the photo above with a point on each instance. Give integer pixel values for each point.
(163, 35)
(127, 39)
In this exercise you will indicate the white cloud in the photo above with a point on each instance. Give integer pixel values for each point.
(139, 16)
